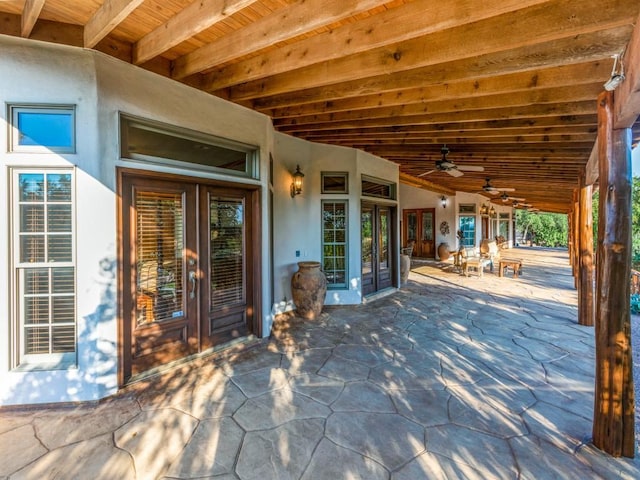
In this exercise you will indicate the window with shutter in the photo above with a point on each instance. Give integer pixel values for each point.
(44, 262)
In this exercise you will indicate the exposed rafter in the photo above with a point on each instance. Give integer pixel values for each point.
(298, 19)
(106, 18)
(30, 14)
(195, 18)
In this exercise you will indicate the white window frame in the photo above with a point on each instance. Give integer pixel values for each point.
(14, 133)
(41, 361)
(345, 244)
(251, 152)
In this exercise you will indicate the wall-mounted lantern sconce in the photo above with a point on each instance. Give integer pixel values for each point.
(443, 200)
(492, 212)
(296, 184)
(484, 210)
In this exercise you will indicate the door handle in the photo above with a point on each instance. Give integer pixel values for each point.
(193, 278)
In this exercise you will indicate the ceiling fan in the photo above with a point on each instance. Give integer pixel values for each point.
(446, 165)
(517, 204)
(491, 190)
(505, 198)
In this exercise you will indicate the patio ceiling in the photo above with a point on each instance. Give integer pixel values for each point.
(509, 85)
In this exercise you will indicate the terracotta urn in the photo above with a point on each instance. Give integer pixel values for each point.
(443, 251)
(308, 289)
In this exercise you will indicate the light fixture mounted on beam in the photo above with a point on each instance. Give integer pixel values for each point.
(617, 74)
(296, 183)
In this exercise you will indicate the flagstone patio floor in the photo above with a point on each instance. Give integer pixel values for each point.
(449, 377)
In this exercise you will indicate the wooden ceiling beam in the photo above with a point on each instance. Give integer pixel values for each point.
(106, 18)
(412, 20)
(281, 25)
(541, 125)
(530, 113)
(464, 151)
(594, 48)
(511, 179)
(30, 15)
(559, 95)
(562, 76)
(524, 28)
(627, 97)
(193, 19)
(425, 184)
(430, 141)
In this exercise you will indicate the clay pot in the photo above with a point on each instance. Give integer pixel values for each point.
(405, 267)
(308, 289)
(443, 251)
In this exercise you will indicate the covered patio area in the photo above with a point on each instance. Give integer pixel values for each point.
(450, 377)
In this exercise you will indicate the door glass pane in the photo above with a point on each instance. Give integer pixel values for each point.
(468, 228)
(427, 226)
(384, 240)
(367, 240)
(226, 217)
(159, 247)
(412, 226)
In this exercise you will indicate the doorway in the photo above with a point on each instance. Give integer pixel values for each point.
(378, 249)
(189, 268)
(418, 228)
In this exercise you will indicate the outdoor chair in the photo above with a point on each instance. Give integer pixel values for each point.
(489, 250)
(470, 258)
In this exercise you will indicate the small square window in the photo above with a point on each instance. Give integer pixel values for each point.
(467, 208)
(335, 182)
(41, 129)
(374, 187)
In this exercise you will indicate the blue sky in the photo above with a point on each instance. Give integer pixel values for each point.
(635, 162)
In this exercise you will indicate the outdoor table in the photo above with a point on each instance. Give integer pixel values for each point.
(514, 263)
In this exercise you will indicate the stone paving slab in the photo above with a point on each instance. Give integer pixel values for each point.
(450, 377)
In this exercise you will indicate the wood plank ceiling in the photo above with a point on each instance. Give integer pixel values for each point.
(509, 85)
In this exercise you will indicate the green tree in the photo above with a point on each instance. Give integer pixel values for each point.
(635, 221)
(544, 229)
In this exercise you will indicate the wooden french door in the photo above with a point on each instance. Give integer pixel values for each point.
(378, 251)
(187, 279)
(419, 229)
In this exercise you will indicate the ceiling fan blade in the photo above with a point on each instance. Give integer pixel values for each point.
(426, 173)
(454, 172)
(471, 168)
(492, 191)
(445, 164)
(507, 189)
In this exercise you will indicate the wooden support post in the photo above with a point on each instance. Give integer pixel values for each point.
(570, 237)
(575, 239)
(614, 409)
(585, 256)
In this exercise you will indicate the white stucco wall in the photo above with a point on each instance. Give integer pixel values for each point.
(412, 197)
(297, 221)
(100, 87)
(49, 74)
